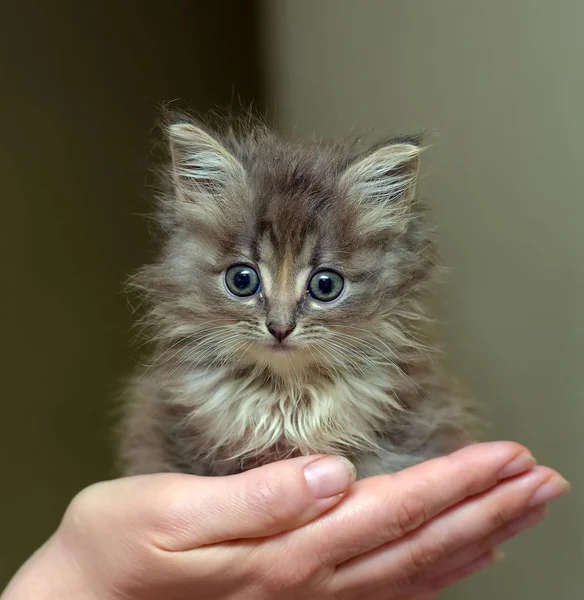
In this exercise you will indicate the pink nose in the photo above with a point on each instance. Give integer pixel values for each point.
(280, 332)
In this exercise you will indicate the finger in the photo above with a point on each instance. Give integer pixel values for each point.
(193, 511)
(383, 508)
(429, 589)
(476, 519)
(489, 543)
(421, 596)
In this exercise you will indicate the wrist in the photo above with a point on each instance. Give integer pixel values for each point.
(51, 573)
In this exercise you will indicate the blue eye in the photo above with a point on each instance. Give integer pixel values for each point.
(242, 280)
(326, 286)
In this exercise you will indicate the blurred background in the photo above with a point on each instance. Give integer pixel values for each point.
(498, 86)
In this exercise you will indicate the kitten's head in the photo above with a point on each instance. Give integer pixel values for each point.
(288, 257)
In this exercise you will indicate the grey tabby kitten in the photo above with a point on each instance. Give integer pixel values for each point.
(287, 310)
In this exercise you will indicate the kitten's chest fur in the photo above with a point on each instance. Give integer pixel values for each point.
(247, 416)
(222, 422)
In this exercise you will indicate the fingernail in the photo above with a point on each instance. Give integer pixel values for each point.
(519, 464)
(553, 488)
(329, 476)
(528, 521)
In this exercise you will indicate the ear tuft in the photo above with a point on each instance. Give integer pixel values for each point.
(388, 175)
(199, 161)
(382, 187)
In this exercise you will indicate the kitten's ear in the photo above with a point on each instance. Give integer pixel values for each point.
(388, 174)
(200, 163)
(383, 185)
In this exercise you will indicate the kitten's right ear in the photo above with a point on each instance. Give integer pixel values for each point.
(201, 165)
(382, 186)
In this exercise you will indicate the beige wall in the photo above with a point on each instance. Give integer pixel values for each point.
(500, 85)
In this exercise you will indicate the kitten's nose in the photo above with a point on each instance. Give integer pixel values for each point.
(280, 332)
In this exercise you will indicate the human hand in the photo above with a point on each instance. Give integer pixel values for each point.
(291, 530)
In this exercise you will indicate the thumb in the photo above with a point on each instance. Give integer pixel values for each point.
(262, 502)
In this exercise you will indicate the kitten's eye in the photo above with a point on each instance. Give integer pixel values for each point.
(242, 280)
(326, 286)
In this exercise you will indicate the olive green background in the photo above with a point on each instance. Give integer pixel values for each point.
(499, 87)
(80, 87)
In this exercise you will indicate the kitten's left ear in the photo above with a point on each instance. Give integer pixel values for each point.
(383, 184)
(200, 163)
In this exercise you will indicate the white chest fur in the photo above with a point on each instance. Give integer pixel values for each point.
(248, 414)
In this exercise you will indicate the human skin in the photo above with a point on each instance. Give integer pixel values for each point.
(300, 528)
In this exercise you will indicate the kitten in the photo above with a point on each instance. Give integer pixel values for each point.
(287, 310)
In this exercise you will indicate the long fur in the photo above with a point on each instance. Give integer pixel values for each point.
(362, 380)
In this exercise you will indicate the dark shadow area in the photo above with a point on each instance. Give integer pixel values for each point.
(80, 88)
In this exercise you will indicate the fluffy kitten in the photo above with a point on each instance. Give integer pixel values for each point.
(287, 310)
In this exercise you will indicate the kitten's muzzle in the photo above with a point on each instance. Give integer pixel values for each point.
(280, 332)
